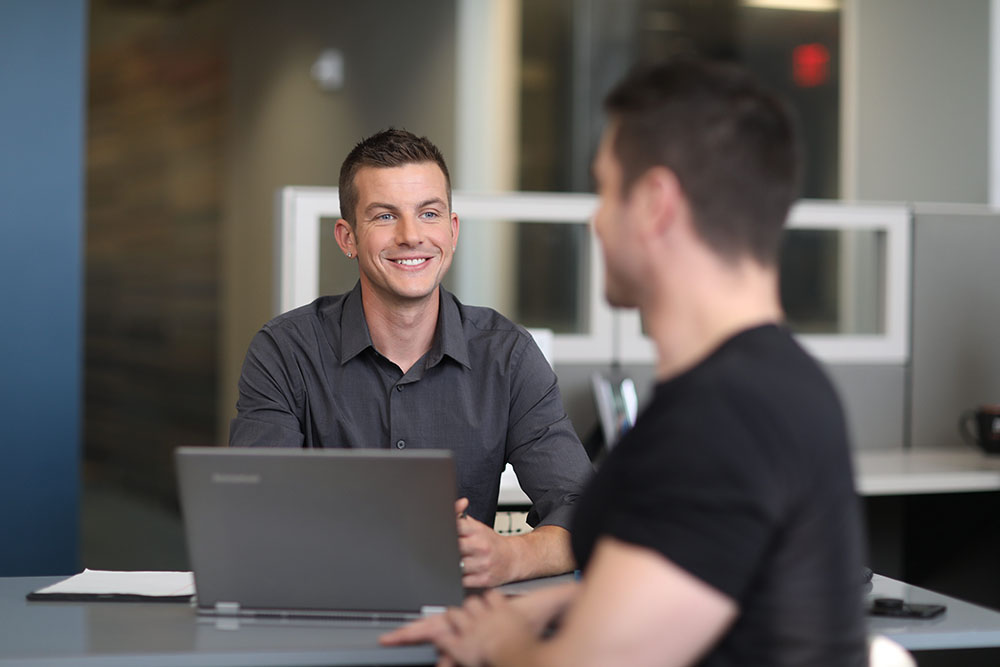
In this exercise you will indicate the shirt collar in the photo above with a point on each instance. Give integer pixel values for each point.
(449, 335)
(354, 335)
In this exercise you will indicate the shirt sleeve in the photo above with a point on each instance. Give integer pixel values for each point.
(266, 409)
(551, 464)
(704, 497)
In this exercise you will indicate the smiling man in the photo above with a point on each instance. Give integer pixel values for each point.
(400, 363)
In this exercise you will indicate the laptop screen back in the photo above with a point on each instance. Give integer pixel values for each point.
(313, 530)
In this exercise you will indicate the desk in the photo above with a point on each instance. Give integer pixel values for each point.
(922, 471)
(962, 625)
(880, 473)
(50, 634)
(56, 634)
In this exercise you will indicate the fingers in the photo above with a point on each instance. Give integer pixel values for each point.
(486, 558)
(458, 632)
(461, 505)
(418, 632)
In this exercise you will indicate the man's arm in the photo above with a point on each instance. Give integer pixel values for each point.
(490, 559)
(551, 465)
(630, 595)
(265, 409)
(634, 607)
(537, 610)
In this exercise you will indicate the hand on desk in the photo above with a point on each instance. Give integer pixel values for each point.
(490, 559)
(485, 630)
(487, 556)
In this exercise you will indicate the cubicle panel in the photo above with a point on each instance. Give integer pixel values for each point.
(872, 244)
(874, 401)
(956, 318)
(873, 397)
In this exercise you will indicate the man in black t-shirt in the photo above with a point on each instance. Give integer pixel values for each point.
(723, 529)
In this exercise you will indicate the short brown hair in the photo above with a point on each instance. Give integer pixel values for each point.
(732, 145)
(388, 148)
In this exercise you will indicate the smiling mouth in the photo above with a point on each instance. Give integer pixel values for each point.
(411, 262)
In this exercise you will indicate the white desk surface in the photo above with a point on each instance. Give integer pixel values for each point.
(915, 471)
(882, 473)
(962, 625)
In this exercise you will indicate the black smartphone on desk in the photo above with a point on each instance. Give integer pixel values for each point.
(899, 609)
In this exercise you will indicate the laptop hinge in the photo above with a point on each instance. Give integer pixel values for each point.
(431, 609)
(227, 608)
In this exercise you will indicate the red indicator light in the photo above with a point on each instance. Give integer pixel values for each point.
(810, 65)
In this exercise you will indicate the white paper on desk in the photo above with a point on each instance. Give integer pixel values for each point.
(109, 582)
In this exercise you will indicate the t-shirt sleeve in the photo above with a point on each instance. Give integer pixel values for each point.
(700, 496)
(266, 412)
(551, 464)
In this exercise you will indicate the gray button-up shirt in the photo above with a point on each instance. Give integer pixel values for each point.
(312, 378)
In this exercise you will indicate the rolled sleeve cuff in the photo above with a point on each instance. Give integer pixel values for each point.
(561, 515)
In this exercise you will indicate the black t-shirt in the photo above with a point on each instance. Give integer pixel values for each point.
(738, 471)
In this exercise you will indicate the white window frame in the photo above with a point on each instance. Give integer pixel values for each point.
(300, 209)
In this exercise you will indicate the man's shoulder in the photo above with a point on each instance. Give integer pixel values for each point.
(306, 322)
(482, 319)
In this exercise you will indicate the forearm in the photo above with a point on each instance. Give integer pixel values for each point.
(543, 607)
(540, 609)
(542, 552)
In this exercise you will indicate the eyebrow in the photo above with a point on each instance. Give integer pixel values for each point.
(392, 207)
(432, 201)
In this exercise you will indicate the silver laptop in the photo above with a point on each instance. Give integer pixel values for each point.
(339, 533)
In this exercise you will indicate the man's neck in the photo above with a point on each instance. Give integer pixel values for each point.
(402, 332)
(688, 324)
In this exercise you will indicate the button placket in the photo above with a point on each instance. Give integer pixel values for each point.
(397, 416)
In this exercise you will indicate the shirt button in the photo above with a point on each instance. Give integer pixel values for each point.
(399, 387)
(400, 444)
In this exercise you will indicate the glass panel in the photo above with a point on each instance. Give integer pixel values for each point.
(535, 273)
(573, 51)
(833, 281)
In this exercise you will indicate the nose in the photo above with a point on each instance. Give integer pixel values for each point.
(407, 231)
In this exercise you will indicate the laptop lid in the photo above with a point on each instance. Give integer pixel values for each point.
(338, 532)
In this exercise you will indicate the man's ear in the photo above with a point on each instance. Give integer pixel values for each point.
(454, 230)
(344, 234)
(661, 198)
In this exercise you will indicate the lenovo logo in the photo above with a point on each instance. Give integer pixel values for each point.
(235, 478)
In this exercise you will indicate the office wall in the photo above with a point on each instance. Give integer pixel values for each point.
(956, 319)
(156, 127)
(919, 105)
(42, 77)
(873, 398)
(285, 131)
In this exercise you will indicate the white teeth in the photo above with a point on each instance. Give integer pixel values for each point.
(410, 262)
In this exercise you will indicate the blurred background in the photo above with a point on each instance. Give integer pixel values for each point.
(172, 123)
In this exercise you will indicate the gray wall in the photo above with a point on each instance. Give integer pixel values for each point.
(873, 398)
(922, 101)
(285, 131)
(956, 319)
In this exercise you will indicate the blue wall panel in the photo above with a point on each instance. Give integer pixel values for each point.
(42, 98)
